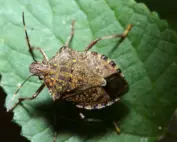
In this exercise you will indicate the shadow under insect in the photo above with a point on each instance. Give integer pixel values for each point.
(66, 117)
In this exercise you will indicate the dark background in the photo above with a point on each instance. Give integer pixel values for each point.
(9, 132)
(166, 9)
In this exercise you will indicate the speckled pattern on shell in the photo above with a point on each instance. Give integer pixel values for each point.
(70, 69)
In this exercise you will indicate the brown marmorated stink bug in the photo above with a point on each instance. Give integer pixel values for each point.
(77, 77)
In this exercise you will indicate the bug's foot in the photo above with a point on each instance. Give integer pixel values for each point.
(127, 30)
(116, 127)
(82, 116)
(12, 108)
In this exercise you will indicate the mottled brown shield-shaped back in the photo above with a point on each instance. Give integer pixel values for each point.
(67, 73)
(98, 97)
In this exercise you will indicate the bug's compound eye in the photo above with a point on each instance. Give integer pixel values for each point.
(41, 77)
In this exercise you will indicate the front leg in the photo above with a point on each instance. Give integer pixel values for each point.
(29, 98)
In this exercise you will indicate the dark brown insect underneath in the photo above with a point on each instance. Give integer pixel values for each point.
(77, 77)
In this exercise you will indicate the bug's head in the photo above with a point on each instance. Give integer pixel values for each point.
(38, 69)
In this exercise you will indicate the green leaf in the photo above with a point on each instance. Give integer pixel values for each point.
(147, 57)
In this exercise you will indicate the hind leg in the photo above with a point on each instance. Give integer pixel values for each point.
(83, 117)
(116, 127)
(122, 36)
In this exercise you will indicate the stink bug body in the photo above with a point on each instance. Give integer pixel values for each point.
(77, 77)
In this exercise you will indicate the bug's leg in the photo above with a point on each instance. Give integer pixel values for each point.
(22, 85)
(71, 34)
(122, 36)
(30, 98)
(116, 127)
(82, 116)
(89, 119)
